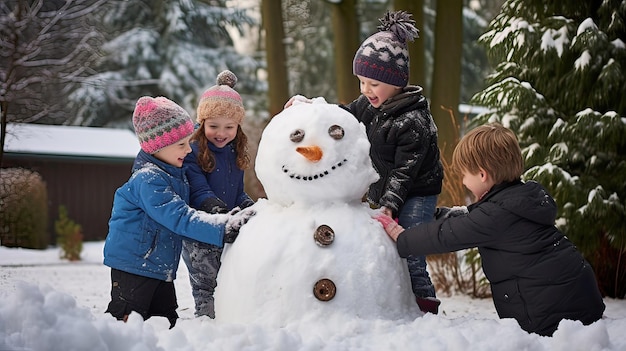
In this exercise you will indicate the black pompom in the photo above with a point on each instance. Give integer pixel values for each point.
(400, 24)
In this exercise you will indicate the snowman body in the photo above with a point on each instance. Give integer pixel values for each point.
(313, 250)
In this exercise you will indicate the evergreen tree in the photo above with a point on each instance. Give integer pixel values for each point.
(170, 48)
(560, 85)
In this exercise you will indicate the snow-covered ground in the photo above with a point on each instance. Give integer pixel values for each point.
(50, 304)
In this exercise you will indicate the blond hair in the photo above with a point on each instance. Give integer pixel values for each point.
(490, 147)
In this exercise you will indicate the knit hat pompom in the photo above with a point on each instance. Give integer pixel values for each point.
(160, 122)
(384, 56)
(226, 78)
(400, 24)
(221, 100)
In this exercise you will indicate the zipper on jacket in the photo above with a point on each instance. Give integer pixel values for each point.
(152, 246)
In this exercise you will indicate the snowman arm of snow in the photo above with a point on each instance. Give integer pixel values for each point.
(392, 227)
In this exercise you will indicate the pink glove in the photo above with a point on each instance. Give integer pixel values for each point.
(383, 219)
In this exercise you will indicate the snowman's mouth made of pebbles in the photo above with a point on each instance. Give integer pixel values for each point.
(315, 176)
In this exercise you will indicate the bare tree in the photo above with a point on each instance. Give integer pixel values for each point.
(417, 49)
(346, 43)
(45, 47)
(278, 90)
(446, 83)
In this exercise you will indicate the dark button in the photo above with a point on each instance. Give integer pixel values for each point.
(324, 289)
(324, 235)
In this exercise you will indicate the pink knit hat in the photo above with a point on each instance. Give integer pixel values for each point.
(221, 100)
(160, 122)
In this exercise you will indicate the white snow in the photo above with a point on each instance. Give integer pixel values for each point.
(557, 127)
(50, 304)
(555, 39)
(529, 151)
(71, 140)
(558, 151)
(516, 25)
(583, 61)
(618, 43)
(587, 24)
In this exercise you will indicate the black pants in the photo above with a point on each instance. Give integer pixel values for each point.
(146, 296)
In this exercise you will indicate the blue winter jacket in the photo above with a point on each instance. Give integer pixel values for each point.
(149, 216)
(224, 182)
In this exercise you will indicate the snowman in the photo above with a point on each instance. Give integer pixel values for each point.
(313, 250)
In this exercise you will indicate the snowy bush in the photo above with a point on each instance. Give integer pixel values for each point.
(23, 209)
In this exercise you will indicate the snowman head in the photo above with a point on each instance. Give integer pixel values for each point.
(314, 153)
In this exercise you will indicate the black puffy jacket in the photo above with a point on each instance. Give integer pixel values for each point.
(404, 148)
(537, 275)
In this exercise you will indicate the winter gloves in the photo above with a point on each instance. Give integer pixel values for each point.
(238, 215)
(238, 218)
(246, 203)
(383, 219)
(213, 205)
(445, 212)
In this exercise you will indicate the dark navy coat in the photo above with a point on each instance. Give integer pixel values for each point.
(224, 182)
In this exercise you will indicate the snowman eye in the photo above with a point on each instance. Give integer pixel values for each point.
(297, 135)
(336, 132)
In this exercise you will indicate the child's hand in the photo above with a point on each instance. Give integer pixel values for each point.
(387, 211)
(296, 99)
(213, 205)
(392, 228)
(237, 219)
(383, 219)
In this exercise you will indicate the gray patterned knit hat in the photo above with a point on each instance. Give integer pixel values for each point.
(384, 56)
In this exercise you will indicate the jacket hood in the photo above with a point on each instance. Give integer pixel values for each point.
(528, 200)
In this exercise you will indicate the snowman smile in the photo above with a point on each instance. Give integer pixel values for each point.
(294, 175)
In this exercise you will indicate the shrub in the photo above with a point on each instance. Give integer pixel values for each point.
(69, 236)
(457, 271)
(23, 209)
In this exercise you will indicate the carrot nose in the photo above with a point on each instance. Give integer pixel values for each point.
(312, 153)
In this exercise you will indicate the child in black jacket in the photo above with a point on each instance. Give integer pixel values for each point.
(537, 275)
(403, 137)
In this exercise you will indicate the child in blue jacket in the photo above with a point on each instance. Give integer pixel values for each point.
(150, 216)
(215, 168)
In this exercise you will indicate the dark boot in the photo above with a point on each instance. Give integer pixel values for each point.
(428, 304)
